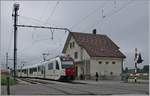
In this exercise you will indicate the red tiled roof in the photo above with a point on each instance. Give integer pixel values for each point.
(96, 45)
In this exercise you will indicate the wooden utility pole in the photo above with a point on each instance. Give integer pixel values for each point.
(16, 8)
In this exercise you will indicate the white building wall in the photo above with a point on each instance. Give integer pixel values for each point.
(71, 51)
(106, 69)
(85, 55)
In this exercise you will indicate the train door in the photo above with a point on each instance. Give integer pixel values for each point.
(57, 70)
(44, 71)
(27, 72)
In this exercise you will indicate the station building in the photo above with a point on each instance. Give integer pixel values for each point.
(94, 53)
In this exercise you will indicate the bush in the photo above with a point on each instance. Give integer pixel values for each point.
(4, 80)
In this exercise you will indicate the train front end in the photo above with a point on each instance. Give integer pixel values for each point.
(67, 64)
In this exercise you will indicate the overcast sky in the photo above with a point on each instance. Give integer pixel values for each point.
(125, 22)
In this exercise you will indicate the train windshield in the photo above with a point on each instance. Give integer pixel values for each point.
(67, 64)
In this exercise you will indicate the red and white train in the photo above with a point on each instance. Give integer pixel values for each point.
(58, 68)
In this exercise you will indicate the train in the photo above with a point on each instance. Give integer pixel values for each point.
(58, 68)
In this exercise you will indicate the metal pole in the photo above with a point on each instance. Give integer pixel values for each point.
(43, 66)
(8, 85)
(7, 78)
(135, 78)
(66, 29)
(7, 61)
(135, 59)
(16, 8)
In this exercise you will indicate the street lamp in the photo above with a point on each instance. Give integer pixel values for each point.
(16, 6)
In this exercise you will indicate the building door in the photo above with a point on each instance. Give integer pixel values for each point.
(87, 67)
(76, 68)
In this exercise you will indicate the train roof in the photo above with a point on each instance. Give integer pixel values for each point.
(62, 57)
(31, 66)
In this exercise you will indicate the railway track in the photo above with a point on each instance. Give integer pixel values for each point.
(44, 84)
(59, 87)
(46, 80)
(33, 81)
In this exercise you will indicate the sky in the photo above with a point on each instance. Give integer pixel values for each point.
(124, 21)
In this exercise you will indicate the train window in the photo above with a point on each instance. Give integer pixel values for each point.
(34, 69)
(50, 66)
(67, 64)
(39, 68)
(57, 65)
(31, 70)
(24, 71)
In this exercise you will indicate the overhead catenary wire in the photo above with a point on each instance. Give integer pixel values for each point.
(44, 10)
(52, 12)
(109, 15)
(31, 18)
(115, 3)
(37, 41)
(87, 16)
(52, 52)
(49, 18)
(34, 41)
(31, 45)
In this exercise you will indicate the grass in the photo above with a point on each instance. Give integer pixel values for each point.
(4, 80)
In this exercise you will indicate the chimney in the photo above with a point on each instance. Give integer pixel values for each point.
(94, 31)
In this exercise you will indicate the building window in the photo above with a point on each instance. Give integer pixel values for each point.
(70, 45)
(107, 62)
(100, 62)
(73, 44)
(113, 62)
(75, 55)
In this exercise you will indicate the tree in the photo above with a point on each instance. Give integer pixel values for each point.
(146, 69)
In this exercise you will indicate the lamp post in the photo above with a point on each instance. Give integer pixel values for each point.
(15, 14)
